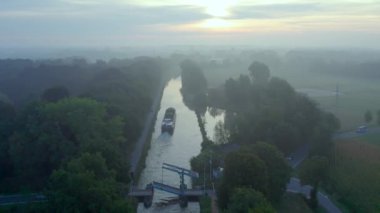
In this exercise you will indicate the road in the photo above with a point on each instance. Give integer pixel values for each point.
(353, 134)
(150, 118)
(294, 186)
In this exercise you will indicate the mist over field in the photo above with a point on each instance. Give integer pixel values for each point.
(189, 106)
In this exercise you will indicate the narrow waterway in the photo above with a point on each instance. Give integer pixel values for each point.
(177, 149)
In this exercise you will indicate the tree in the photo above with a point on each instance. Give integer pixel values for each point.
(313, 171)
(378, 117)
(259, 71)
(221, 134)
(7, 125)
(277, 168)
(194, 92)
(248, 200)
(193, 79)
(242, 169)
(7, 117)
(52, 133)
(85, 184)
(55, 94)
(322, 135)
(368, 116)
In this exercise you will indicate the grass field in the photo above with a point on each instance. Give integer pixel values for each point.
(356, 95)
(355, 175)
(370, 138)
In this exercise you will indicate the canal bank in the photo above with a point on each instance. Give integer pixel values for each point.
(137, 161)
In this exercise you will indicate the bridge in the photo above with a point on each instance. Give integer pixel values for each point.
(184, 194)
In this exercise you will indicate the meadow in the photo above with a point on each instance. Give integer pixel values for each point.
(356, 96)
(354, 177)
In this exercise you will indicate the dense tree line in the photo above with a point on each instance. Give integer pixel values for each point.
(259, 107)
(73, 139)
(264, 108)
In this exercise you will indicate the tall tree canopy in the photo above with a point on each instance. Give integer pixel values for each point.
(313, 171)
(193, 79)
(259, 71)
(368, 116)
(277, 168)
(54, 94)
(85, 184)
(242, 169)
(52, 133)
(245, 200)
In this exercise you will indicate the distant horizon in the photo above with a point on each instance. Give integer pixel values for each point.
(106, 53)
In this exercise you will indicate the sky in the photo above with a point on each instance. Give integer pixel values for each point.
(113, 23)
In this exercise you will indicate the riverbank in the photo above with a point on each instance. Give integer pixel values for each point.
(142, 145)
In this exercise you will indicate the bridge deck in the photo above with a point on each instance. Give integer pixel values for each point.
(141, 193)
(177, 191)
(166, 188)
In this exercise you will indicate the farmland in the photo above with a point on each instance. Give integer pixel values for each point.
(355, 175)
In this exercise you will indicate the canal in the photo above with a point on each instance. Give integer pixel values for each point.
(177, 149)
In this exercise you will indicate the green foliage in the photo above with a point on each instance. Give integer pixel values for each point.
(86, 185)
(122, 97)
(26, 208)
(293, 203)
(321, 137)
(378, 117)
(201, 164)
(259, 71)
(313, 171)
(238, 92)
(277, 168)
(221, 134)
(53, 133)
(242, 169)
(55, 94)
(193, 80)
(7, 123)
(45, 135)
(205, 204)
(248, 200)
(194, 88)
(4, 98)
(354, 176)
(7, 117)
(274, 113)
(368, 116)
(277, 114)
(268, 109)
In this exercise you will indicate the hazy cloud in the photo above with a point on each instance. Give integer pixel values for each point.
(46, 22)
(270, 11)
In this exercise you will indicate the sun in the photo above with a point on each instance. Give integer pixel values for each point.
(216, 8)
